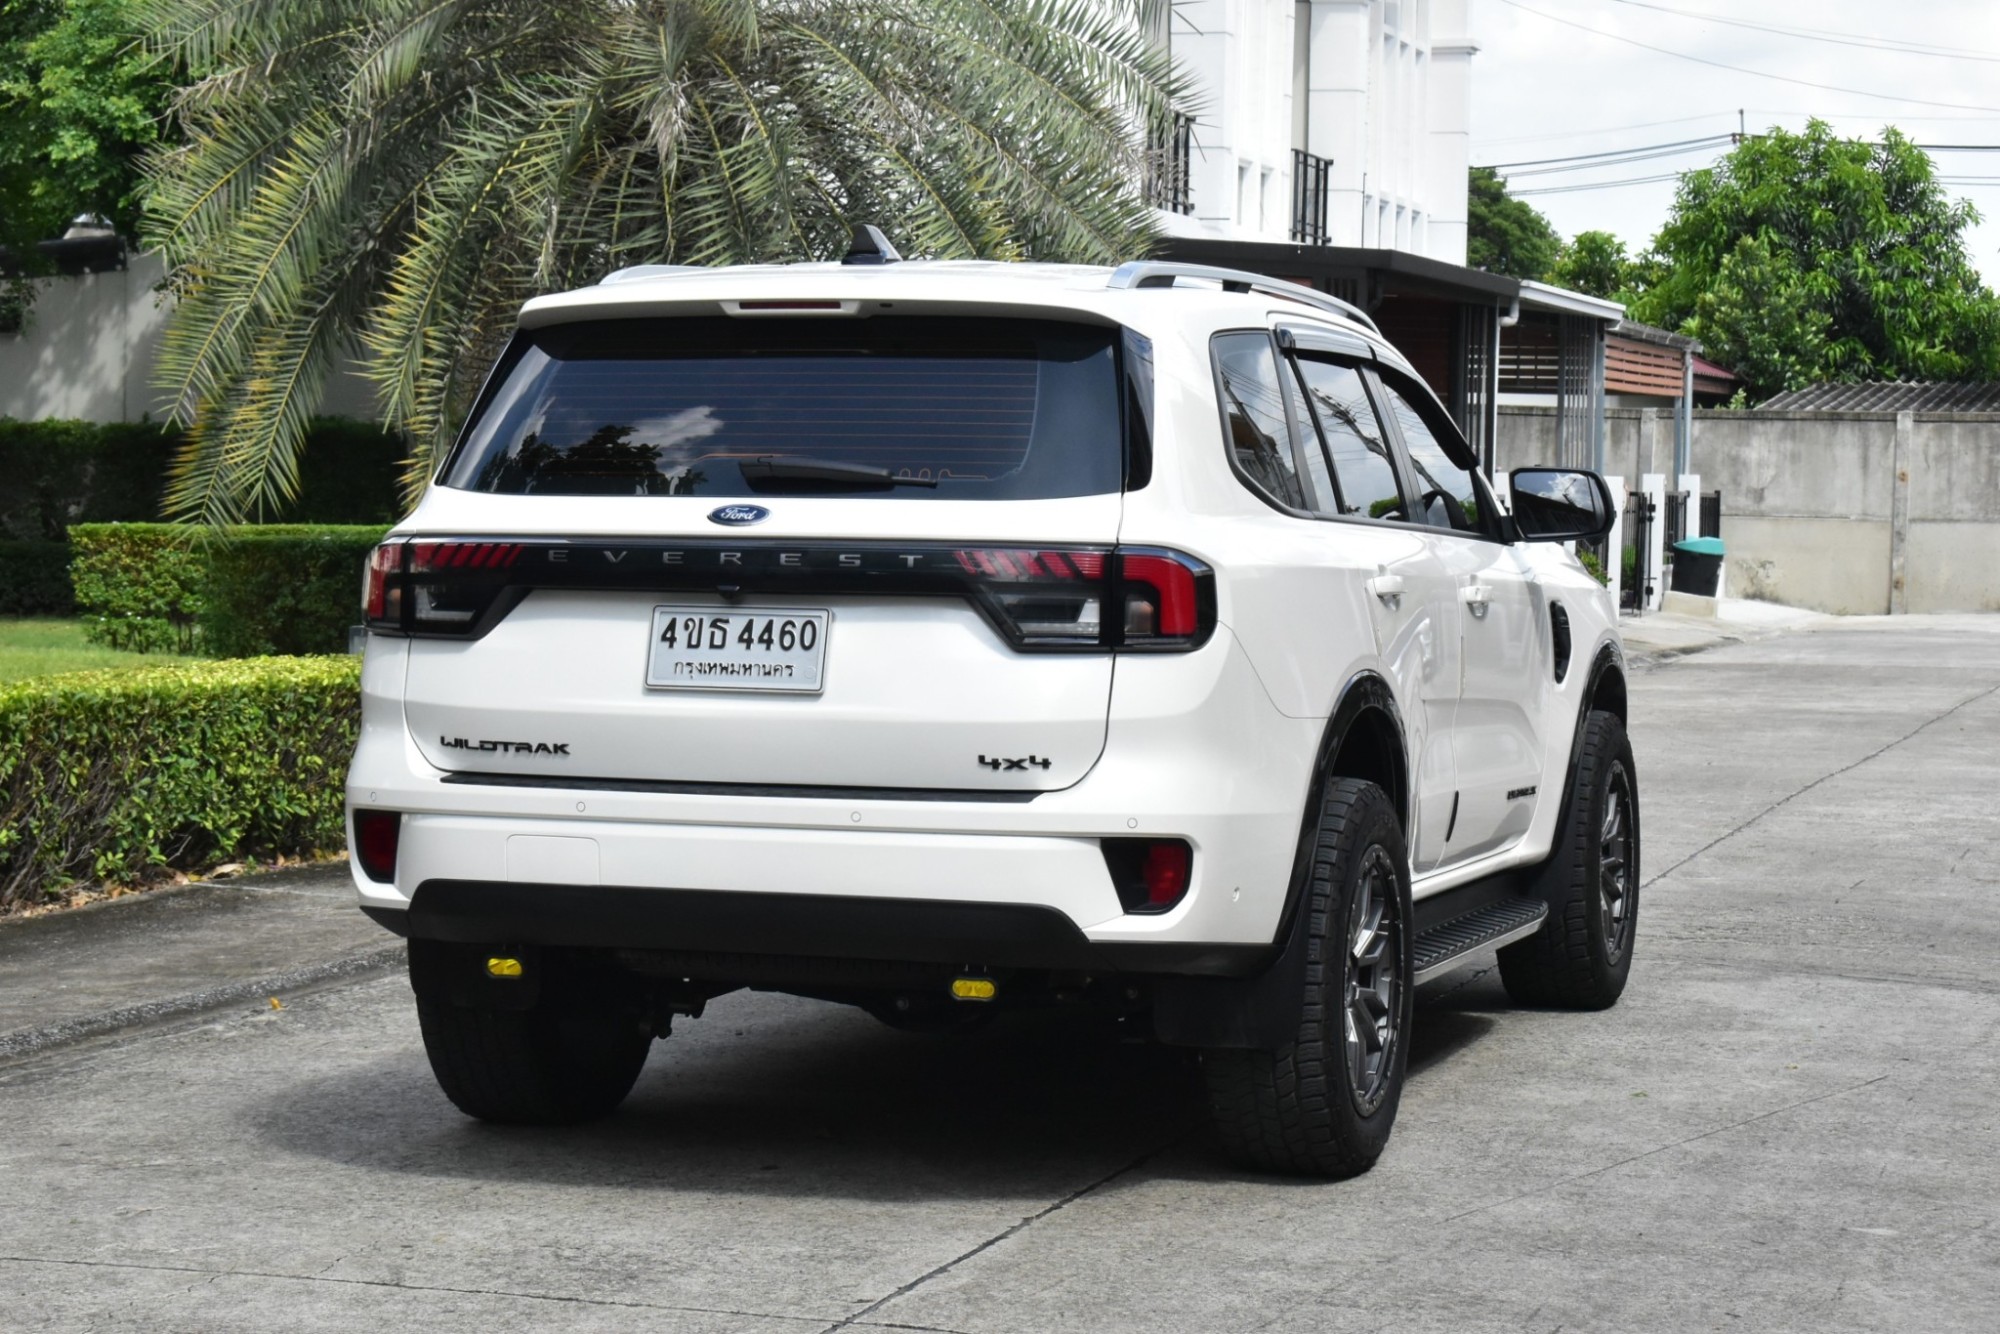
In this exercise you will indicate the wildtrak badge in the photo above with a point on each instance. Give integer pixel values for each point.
(506, 747)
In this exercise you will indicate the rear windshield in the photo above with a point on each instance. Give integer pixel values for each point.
(989, 409)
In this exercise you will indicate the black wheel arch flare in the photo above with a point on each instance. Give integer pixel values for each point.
(1364, 738)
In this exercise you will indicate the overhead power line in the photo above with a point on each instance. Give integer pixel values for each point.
(1866, 42)
(1602, 129)
(1617, 157)
(1597, 185)
(1739, 69)
(1676, 145)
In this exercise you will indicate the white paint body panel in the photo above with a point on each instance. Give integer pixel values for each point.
(1216, 746)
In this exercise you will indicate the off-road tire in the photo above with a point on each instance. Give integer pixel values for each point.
(1295, 1110)
(1582, 956)
(562, 1061)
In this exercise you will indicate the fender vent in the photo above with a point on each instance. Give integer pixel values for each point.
(1559, 636)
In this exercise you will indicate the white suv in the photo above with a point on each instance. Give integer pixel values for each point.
(945, 637)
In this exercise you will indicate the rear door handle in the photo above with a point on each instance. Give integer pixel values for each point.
(1388, 587)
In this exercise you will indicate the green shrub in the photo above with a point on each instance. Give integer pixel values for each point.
(64, 472)
(283, 588)
(138, 585)
(112, 774)
(237, 593)
(34, 579)
(60, 473)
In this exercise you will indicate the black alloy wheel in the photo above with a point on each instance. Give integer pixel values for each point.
(1374, 981)
(1616, 862)
(1582, 956)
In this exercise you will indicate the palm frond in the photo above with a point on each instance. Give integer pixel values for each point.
(390, 179)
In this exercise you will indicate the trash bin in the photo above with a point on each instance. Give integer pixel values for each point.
(1698, 566)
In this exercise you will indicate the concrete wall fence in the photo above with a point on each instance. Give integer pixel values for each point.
(90, 344)
(1847, 512)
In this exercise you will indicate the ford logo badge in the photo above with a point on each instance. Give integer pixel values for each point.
(736, 516)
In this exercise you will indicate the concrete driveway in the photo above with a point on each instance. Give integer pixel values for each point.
(1789, 1124)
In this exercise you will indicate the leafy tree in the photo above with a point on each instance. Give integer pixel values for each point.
(1804, 257)
(394, 177)
(79, 101)
(1764, 319)
(1594, 262)
(1505, 234)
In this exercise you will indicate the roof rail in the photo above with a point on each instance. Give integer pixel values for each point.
(1161, 273)
(641, 272)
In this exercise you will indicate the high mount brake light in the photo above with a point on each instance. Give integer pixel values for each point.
(1041, 599)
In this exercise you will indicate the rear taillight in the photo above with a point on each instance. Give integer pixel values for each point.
(436, 588)
(376, 835)
(1151, 875)
(381, 594)
(1169, 599)
(1137, 598)
(1041, 599)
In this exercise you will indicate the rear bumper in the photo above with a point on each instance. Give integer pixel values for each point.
(1194, 750)
(809, 926)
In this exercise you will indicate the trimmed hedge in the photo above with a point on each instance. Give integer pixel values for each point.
(138, 585)
(110, 775)
(63, 472)
(68, 472)
(283, 588)
(34, 579)
(240, 592)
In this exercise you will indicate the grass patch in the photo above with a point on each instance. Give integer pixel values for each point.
(43, 645)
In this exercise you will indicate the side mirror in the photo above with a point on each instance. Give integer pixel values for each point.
(1561, 505)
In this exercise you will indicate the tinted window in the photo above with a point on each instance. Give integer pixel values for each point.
(1361, 462)
(1253, 415)
(990, 409)
(1447, 497)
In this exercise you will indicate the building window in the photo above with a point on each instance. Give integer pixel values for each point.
(1169, 151)
(1309, 194)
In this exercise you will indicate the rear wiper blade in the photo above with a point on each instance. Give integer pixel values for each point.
(767, 469)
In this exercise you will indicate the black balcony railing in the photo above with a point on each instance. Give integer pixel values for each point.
(1309, 182)
(1168, 152)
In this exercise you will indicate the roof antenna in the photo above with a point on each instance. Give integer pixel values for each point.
(869, 246)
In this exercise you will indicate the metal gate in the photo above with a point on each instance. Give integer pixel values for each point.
(1637, 594)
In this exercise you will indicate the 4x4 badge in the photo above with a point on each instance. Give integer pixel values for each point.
(736, 516)
(1010, 765)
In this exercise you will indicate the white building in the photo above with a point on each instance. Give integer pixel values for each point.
(1326, 122)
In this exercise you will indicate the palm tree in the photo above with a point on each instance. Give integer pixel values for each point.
(390, 179)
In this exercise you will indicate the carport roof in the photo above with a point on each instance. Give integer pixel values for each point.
(1889, 396)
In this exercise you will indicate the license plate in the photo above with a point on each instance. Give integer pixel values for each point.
(768, 648)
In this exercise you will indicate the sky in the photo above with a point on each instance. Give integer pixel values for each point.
(1543, 88)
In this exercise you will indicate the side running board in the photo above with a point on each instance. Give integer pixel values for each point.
(1500, 923)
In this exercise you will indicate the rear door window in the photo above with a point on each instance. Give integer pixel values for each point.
(1364, 468)
(950, 408)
